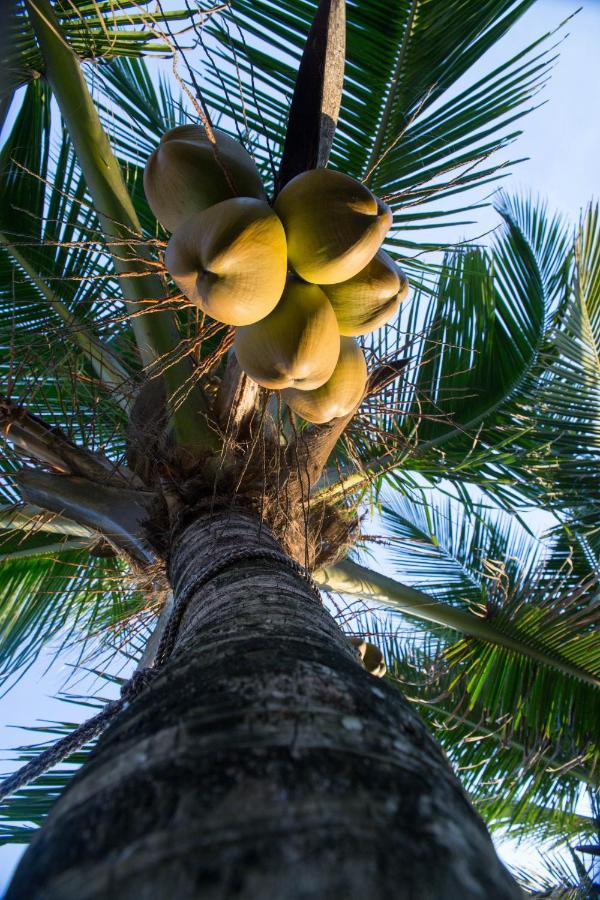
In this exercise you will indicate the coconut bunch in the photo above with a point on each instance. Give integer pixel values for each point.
(299, 280)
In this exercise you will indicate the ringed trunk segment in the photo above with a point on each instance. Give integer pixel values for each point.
(263, 760)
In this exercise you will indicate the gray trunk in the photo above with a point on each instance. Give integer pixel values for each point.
(263, 762)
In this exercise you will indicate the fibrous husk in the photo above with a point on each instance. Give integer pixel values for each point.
(297, 345)
(187, 173)
(230, 260)
(369, 299)
(333, 223)
(339, 395)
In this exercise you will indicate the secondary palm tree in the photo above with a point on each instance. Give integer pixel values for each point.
(263, 756)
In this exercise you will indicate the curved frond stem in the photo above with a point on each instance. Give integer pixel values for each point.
(155, 332)
(52, 549)
(348, 577)
(30, 519)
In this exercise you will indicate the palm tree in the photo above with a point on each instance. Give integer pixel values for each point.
(258, 754)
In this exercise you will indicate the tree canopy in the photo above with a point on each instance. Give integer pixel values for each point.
(483, 401)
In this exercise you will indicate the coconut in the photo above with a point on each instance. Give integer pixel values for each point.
(334, 225)
(230, 260)
(187, 173)
(340, 394)
(369, 299)
(371, 656)
(297, 345)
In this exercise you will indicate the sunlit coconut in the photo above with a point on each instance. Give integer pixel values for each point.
(371, 298)
(296, 345)
(187, 173)
(334, 225)
(339, 395)
(230, 260)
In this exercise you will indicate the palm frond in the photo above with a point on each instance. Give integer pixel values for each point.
(449, 550)
(471, 556)
(135, 109)
(57, 597)
(23, 813)
(396, 128)
(512, 774)
(66, 322)
(524, 787)
(503, 389)
(546, 825)
(557, 878)
(518, 727)
(110, 28)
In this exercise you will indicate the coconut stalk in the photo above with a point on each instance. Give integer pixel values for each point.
(317, 94)
(155, 332)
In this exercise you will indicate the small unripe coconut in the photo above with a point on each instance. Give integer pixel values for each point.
(334, 225)
(186, 174)
(371, 298)
(230, 260)
(297, 345)
(340, 394)
(371, 656)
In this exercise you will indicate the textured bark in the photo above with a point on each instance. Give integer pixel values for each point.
(264, 761)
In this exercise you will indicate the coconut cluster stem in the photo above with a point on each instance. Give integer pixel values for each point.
(155, 332)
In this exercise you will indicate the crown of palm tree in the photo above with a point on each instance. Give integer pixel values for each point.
(483, 393)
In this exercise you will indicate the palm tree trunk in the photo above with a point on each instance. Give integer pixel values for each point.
(263, 761)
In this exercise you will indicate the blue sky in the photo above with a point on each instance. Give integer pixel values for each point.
(562, 141)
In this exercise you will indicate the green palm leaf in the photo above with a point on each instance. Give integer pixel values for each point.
(23, 813)
(58, 235)
(392, 108)
(503, 389)
(522, 783)
(56, 596)
(94, 31)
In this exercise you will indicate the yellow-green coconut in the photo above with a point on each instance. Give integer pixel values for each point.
(369, 299)
(334, 225)
(297, 345)
(339, 395)
(230, 260)
(187, 173)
